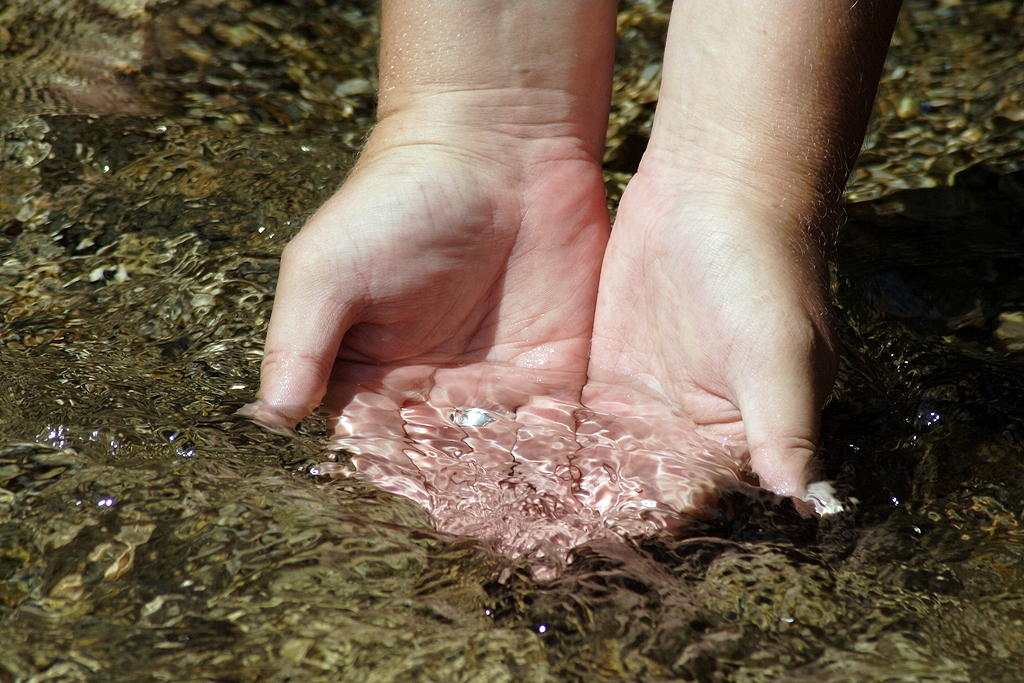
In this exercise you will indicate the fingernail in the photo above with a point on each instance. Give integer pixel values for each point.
(274, 419)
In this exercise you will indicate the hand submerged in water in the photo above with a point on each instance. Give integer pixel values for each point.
(470, 232)
(437, 272)
(468, 241)
(732, 330)
(436, 259)
(453, 292)
(714, 291)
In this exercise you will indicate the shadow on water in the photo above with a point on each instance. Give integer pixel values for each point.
(147, 533)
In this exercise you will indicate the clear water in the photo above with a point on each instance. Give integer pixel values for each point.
(534, 473)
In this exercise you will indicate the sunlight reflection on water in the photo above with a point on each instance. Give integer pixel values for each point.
(511, 460)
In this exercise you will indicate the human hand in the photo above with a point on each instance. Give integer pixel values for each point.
(443, 259)
(471, 230)
(714, 290)
(709, 306)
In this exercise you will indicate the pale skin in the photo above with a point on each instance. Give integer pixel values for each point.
(472, 233)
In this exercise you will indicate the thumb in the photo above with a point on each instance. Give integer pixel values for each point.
(781, 410)
(312, 312)
(781, 450)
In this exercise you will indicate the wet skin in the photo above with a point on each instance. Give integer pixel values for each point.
(470, 238)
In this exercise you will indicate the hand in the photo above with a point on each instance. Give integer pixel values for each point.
(705, 307)
(442, 259)
(714, 298)
(472, 227)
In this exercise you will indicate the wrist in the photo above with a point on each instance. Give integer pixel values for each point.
(767, 198)
(530, 70)
(767, 102)
(502, 133)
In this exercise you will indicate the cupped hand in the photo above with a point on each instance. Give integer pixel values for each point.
(435, 259)
(717, 306)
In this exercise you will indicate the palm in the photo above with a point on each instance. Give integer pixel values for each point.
(464, 270)
(427, 269)
(461, 297)
(701, 314)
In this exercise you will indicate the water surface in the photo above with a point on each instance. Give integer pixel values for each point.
(156, 158)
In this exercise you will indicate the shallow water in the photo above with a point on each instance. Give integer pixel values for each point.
(526, 466)
(156, 159)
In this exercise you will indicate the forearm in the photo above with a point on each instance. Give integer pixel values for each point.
(525, 69)
(770, 98)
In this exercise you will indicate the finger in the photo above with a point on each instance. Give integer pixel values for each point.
(780, 402)
(313, 308)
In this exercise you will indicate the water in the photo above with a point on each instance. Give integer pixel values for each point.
(157, 158)
(532, 471)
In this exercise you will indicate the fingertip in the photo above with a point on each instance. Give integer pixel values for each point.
(312, 312)
(781, 414)
(822, 496)
(269, 418)
(291, 387)
(784, 469)
(795, 473)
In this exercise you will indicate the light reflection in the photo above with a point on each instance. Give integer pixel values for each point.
(57, 437)
(516, 460)
(474, 417)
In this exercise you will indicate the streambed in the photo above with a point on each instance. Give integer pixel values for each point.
(157, 157)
